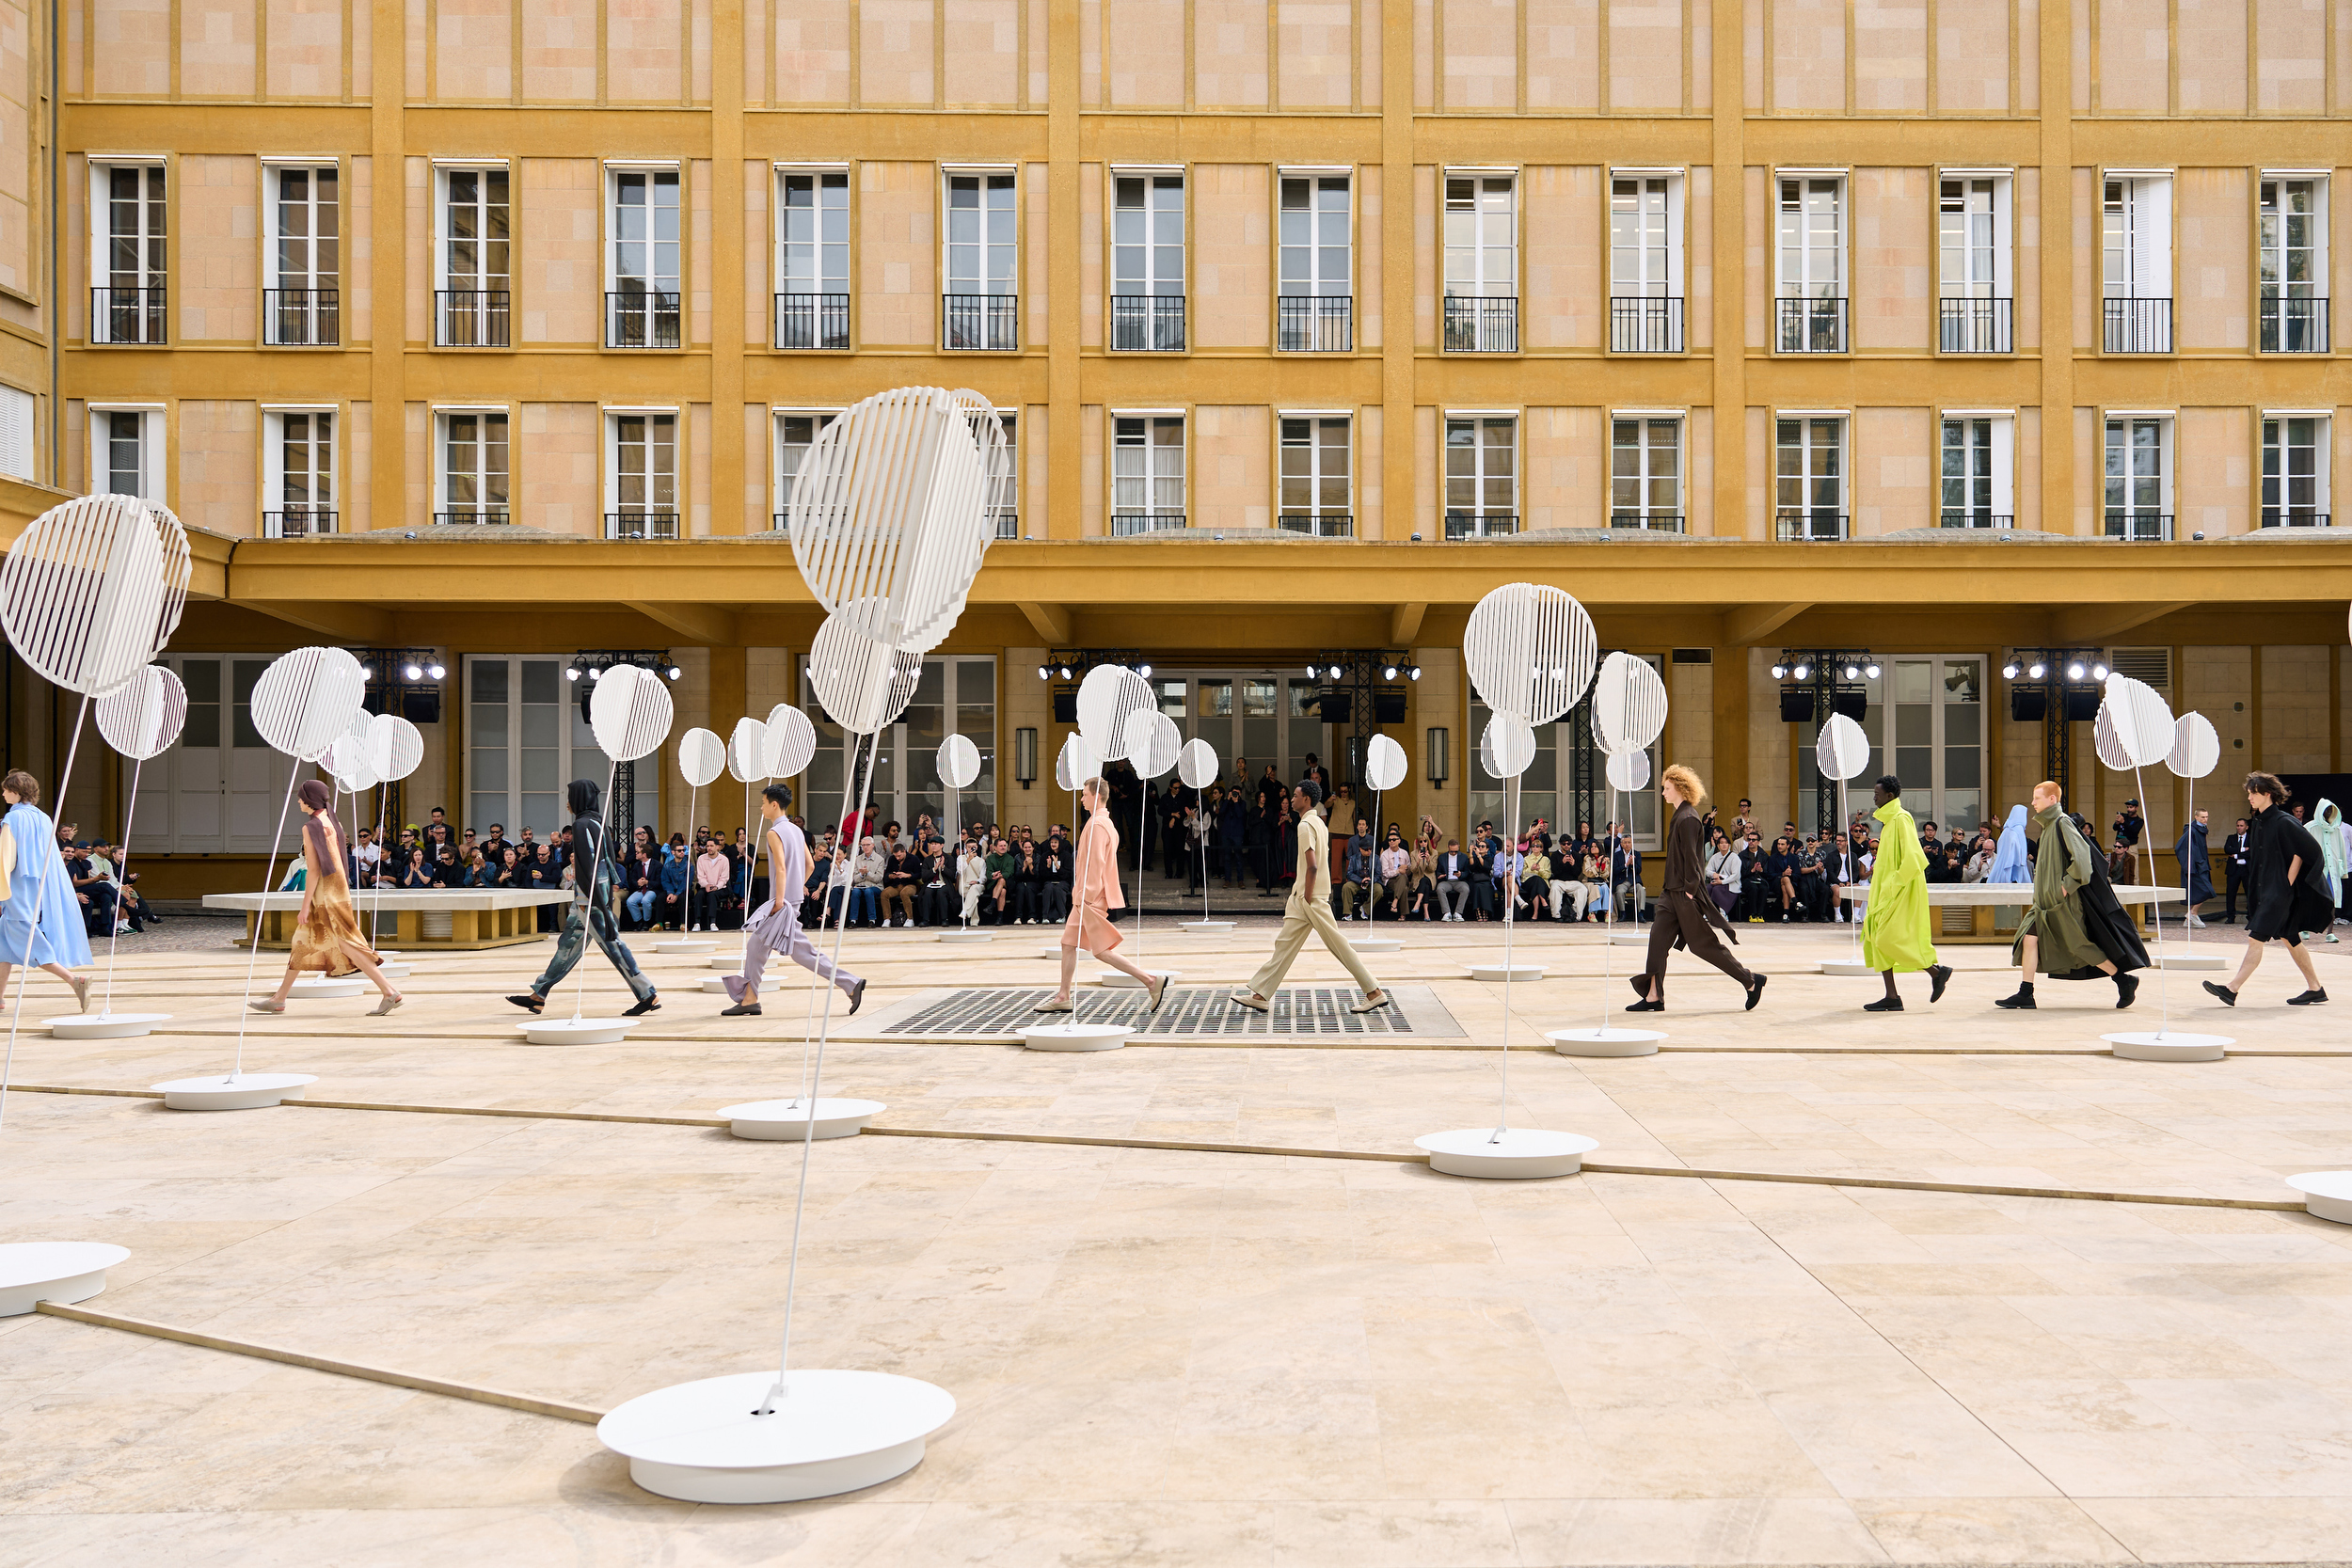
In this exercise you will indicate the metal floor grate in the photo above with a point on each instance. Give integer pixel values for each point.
(1190, 1010)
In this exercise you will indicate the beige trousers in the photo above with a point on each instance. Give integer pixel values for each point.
(1299, 916)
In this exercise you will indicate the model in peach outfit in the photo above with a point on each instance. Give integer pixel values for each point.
(1094, 893)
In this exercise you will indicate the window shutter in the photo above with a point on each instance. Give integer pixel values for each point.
(2151, 667)
(16, 433)
(2151, 239)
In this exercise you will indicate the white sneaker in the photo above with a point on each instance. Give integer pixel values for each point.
(2195, 924)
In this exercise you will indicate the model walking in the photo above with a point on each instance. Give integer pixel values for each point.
(775, 925)
(35, 891)
(592, 908)
(2287, 887)
(1309, 909)
(326, 931)
(1895, 922)
(1096, 894)
(1685, 915)
(2076, 928)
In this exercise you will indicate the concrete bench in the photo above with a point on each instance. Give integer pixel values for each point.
(439, 917)
(1980, 900)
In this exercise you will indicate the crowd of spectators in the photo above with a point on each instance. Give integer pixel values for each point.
(106, 895)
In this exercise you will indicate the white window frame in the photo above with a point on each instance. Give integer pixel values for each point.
(1463, 234)
(2135, 234)
(1643, 510)
(904, 767)
(102, 233)
(2000, 478)
(1318, 517)
(652, 275)
(1808, 520)
(1008, 506)
(1998, 245)
(273, 235)
(2323, 442)
(614, 480)
(576, 756)
(444, 204)
(152, 454)
(1148, 487)
(274, 418)
(1314, 248)
(813, 244)
(982, 246)
(779, 479)
(441, 502)
(2166, 431)
(1149, 245)
(231, 781)
(2268, 218)
(1476, 514)
(1813, 281)
(1669, 285)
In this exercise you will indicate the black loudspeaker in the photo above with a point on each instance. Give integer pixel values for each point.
(1853, 704)
(2028, 707)
(1335, 707)
(2082, 707)
(1796, 707)
(422, 708)
(1388, 707)
(1065, 707)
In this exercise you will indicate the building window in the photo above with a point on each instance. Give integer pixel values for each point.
(301, 293)
(1978, 471)
(642, 279)
(16, 433)
(953, 695)
(1008, 493)
(1972, 304)
(813, 260)
(1482, 485)
(1148, 262)
(1935, 708)
(1314, 306)
(127, 299)
(127, 452)
(526, 735)
(795, 433)
(1645, 263)
(1810, 307)
(1147, 473)
(2135, 262)
(1810, 477)
(1482, 263)
(471, 288)
(1645, 473)
(1315, 496)
(982, 307)
(2295, 470)
(2292, 239)
(641, 475)
(1490, 800)
(2138, 478)
(473, 476)
(298, 473)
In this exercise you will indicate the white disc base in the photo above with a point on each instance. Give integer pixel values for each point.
(1116, 977)
(1519, 1154)
(104, 1026)
(1605, 1042)
(63, 1271)
(2147, 1045)
(684, 944)
(2327, 1194)
(833, 1432)
(1505, 972)
(966, 934)
(1073, 1036)
(246, 1091)
(324, 988)
(716, 984)
(576, 1031)
(788, 1121)
(1206, 927)
(2191, 960)
(731, 962)
(1848, 969)
(1372, 944)
(1629, 937)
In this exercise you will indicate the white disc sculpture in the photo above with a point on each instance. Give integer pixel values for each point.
(1530, 651)
(2137, 724)
(630, 714)
(1384, 769)
(701, 756)
(1629, 716)
(140, 722)
(303, 702)
(862, 535)
(1842, 750)
(1197, 766)
(958, 767)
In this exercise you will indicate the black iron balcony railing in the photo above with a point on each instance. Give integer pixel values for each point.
(1804, 524)
(2134, 523)
(471, 318)
(1974, 326)
(2135, 325)
(812, 321)
(2292, 516)
(1008, 525)
(1479, 525)
(126, 315)
(1656, 522)
(641, 318)
(1482, 325)
(1147, 323)
(1811, 325)
(1961, 516)
(297, 522)
(1644, 324)
(988, 322)
(1124, 524)
(1315, 324)
(302, 318)
(2295, 324)
(637, 524)
(1321, 525)
(471, 514)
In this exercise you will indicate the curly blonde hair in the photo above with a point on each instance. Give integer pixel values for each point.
(1687, 783)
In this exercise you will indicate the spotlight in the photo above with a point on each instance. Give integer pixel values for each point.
(410, 672)
(1853, 673)
(2009, 671)
(1312, 671)
(1387, 671)
(1780, 671)
(1336, 671)
(1802, 671)
(674, 672)
(437, 672)
(1870, 671)
(1413, 673)
(1144, 670)
(367, 672)
(1065, 672)
(2098, 672)
(2074, 671)
(596, 674)
(571, 672)
(2039, 670)
(1043, 673)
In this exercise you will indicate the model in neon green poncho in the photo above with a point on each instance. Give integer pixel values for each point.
(1895, 922)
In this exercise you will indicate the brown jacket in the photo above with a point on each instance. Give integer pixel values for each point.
(1686, 866)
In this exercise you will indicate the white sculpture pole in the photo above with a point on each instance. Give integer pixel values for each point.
(630, 714)
(1841, 752)
(139, 721)
(1196, 764)
(958, 765)
(1153, 743)
(396, 746)
(701, 755)
(1628, 713)
(2196, 752)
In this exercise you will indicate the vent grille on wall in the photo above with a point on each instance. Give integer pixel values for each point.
(2150, 666)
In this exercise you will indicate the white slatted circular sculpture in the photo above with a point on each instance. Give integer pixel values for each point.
(1629, 771)
(1529, 650)
(1109, 695)
(2195, 749)
(791, 741)
(959, 762)
(2108, 744)
(1842, 748)
(1383, 762)
(747, 745)
(893, 508)
(1153, 742)
(1197, 764)
(1628, 703)
(1506, 747)
(398, 746)
(861, 683)
(2140, 721)
(352, 761)
(1075, 764)
(629, 712)
(141, 719)
(307, 698)
(702, 757)
(93, 590)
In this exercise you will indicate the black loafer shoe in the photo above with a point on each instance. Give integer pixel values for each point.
(746, 1009)
(2308, 998)
(857, 997)
(2018, 1002)
(1885, 1004)
(528, 1001)
(1755, 994)
(2229, 997)
(1942, 976)
(1646, 1005)
(2126, 988)
(648, 1005)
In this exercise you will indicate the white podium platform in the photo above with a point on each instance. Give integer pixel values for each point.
(63, 1271)
(576, 1031)
(966, 933)
(685, 944)
(1206, 927)
(2168, 1045)
(1515, 1155)
(326, 988)
(2327, 1194)
(2192, 960)
(833, 1431)
(1075, 1036)
(104, 1026)
(1117, 979)
(1605, 1042)
(246, 1091)
(789, 1120)
(1501, 972)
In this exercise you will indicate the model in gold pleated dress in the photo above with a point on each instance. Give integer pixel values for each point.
(326, 932)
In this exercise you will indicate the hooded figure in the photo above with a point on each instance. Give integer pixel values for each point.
(2078, 929)
(1896, 922)
(2196, 864)
(591, 911)
(2010, 863)
(2328, 827)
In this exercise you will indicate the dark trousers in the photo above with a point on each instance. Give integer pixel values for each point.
(2229, 907)
(938, 906)
(1678, 915)
(1055, 900)
(703, 904)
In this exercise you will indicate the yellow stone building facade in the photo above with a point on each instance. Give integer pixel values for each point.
(492, 331)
